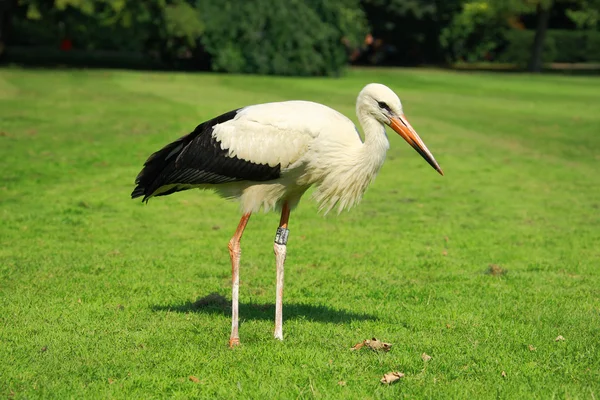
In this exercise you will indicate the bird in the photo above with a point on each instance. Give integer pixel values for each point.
(268, 155)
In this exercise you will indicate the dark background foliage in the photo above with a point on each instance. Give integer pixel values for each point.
(298, 37)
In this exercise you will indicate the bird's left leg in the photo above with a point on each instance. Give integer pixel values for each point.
(235, 252)
(281, 238)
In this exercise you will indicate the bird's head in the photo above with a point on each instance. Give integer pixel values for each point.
(382, 104)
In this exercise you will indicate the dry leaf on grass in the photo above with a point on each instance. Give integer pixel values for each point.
(495, 270)
(391, 377)
(358, 346)
(373, 344)
(559, 338)
(503, 374)
(426, 357)
(342, 383)
(531, 347)
(194, 379)
(111, 381)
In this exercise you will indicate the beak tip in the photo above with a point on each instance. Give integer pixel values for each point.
(403, 128)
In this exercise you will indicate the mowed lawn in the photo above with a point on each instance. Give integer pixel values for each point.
(481, 269)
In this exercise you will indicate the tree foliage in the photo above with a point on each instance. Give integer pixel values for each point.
(162, 27)
(586, 15)
(474, 33)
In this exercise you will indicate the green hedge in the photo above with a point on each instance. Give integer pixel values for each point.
(560, 46)
(592, 47)
(518, 48)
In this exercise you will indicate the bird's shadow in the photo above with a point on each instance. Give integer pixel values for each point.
(216, 304)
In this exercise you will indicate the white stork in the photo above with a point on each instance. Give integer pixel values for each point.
(268, 155)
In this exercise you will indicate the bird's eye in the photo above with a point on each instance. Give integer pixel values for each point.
(383, 105)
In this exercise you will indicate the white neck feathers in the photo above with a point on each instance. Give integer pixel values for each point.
(355, 168)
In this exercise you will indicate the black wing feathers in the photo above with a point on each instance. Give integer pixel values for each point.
(194, 159)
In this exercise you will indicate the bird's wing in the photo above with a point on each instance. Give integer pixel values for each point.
(275, 133)
(197, 159)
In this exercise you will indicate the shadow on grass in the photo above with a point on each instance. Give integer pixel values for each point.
(217, 304)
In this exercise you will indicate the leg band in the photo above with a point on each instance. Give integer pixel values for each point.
(281, 237)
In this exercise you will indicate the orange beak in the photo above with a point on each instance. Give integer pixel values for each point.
(404, 129)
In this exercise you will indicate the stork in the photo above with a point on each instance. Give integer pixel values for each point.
(268, 155)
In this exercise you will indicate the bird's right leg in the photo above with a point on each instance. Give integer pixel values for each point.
(235, 252)
(280, 248)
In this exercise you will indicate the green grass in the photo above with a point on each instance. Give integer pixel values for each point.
(97, 291)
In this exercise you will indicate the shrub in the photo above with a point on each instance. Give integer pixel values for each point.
(474, 33)
(283, 37)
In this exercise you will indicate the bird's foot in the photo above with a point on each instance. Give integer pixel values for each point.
(234, 342)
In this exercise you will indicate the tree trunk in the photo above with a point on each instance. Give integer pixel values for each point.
(543, 15)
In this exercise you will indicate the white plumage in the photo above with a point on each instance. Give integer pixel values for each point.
(268, 155)
(311, 142)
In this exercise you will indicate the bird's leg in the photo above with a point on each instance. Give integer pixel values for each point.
(281, 238)
(235, 252)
